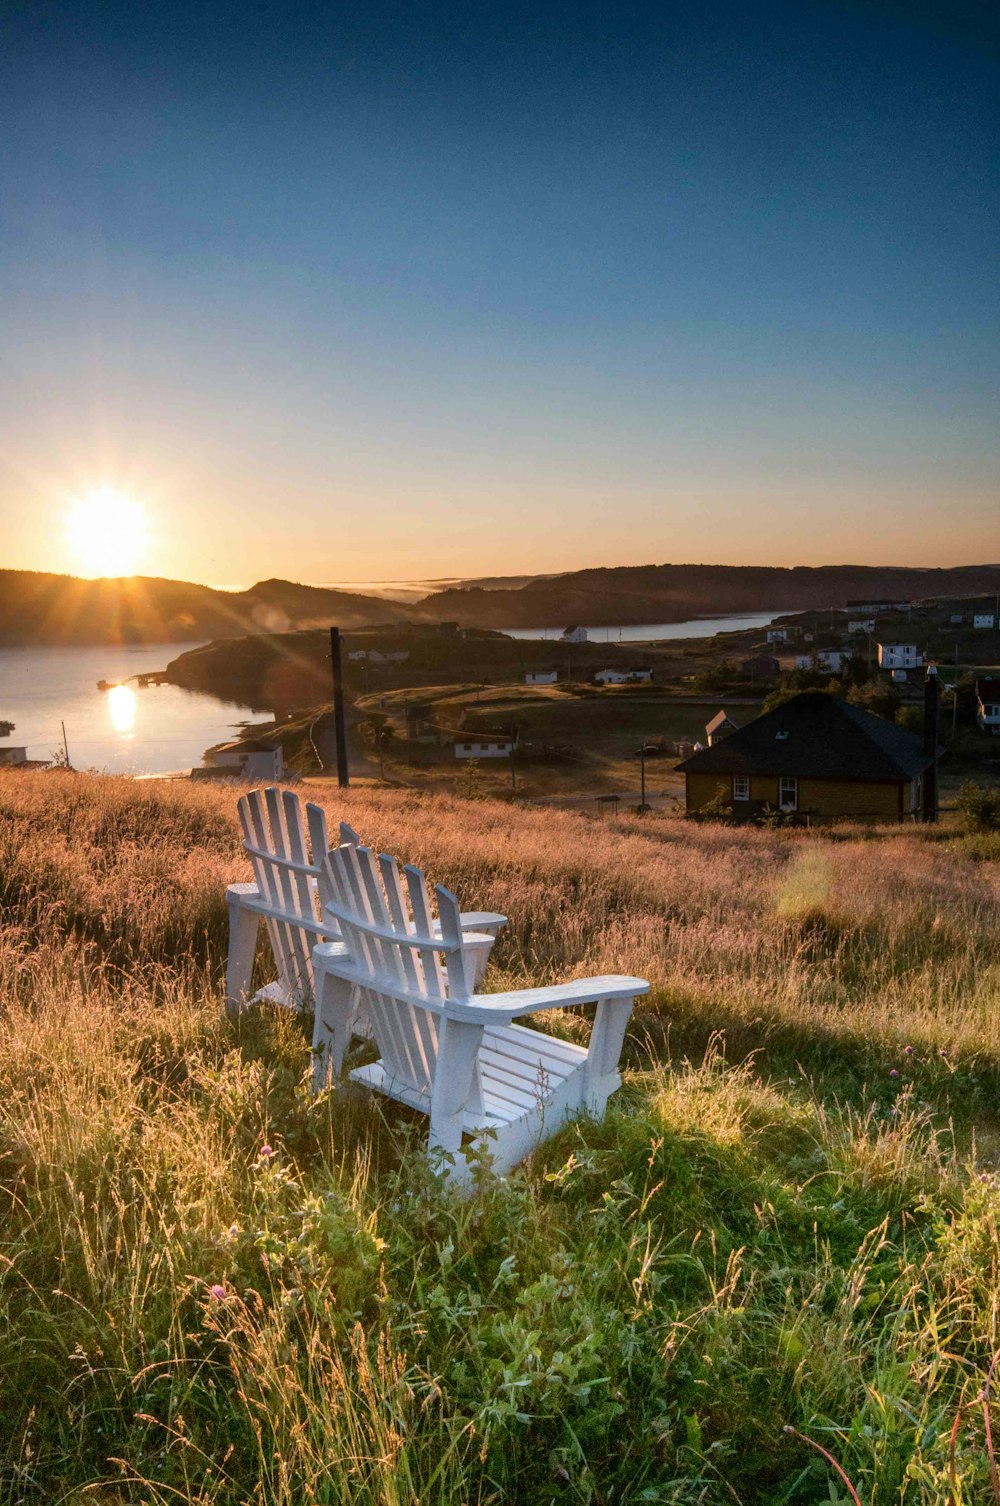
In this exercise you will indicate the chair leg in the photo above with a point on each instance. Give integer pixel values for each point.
(243, 924)
(336, 1008)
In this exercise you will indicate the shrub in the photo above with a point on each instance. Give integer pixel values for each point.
(980, 807)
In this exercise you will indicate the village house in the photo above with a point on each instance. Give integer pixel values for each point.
(391, 656)
(575, 635)
(817, 756)
(761, 667)
(10, 757)
(899, 656)
(988, 706)
(541, 677)
(983, 620)
(623, 676)
(832, 659)
(721, 725)
(860, 625)
(252, 760)
(777, 635)
(485, 747)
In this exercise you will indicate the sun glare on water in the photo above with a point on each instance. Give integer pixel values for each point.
(121, 708)
(107, 533)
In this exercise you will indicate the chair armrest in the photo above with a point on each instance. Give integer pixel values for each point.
(482, 920)
(511, 1006)
(240, 892)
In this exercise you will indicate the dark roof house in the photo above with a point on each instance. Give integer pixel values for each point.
(816, 755)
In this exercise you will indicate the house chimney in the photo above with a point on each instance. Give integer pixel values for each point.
(932, 704)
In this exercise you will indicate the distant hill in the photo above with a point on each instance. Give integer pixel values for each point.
(39, 608)
(671, 593)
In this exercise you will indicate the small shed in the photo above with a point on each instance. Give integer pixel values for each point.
(761, 667)
(721, 725)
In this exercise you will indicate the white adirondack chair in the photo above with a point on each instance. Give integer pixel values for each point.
(454, 1054)
(289, 893)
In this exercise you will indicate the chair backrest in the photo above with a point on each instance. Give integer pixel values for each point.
(291, 880)
(411, 964)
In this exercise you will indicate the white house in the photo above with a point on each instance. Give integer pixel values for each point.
(777, 635)
(861, 625)
(358, 653)
(824, 658)
(252, 761)
(898, 676)
(392, 656)
(988, 706)
(541, 677)
(575, 635)
(899, 656)
(983, 620)
(494, 747)
(623, 676)
(955, 619)
(11, 756)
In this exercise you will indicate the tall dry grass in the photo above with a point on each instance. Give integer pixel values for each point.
(216, 1288)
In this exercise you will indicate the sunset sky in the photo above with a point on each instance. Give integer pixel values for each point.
(359, 291)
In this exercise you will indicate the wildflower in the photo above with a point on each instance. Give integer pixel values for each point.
(233, 1232)
(265, 1152)
(908, 1050)
(217, 1292)
(894, 1073)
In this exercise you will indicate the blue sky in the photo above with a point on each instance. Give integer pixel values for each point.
(382, 291)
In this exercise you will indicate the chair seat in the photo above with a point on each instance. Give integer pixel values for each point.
(519, 1069)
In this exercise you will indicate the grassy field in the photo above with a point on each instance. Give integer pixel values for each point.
(217, 1289)
(596, 733)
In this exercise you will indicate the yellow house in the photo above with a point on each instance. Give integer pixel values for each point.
(814, 756)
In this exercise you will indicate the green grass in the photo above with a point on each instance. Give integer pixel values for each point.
(216, 1288)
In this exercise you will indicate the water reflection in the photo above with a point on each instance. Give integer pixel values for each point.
(121, 707)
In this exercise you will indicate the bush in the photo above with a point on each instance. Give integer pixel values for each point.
(980, 807)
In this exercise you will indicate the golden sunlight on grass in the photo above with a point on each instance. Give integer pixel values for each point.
(107, 533)
(218, 1289)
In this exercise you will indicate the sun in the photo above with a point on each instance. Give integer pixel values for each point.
(107, 533)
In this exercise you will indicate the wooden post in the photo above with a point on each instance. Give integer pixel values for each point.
(65, 744)
(343, 777)
(932, 701)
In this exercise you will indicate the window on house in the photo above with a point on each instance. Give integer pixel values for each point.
(467, 747)
(788, 792)
(741, 787)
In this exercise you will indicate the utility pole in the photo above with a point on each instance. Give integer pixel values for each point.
(513, 750)
(343, 777)
(65, 744)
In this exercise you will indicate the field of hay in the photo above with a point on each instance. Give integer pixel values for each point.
(216, 1288)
